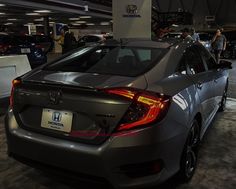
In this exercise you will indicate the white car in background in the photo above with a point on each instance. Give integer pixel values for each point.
(90, 39)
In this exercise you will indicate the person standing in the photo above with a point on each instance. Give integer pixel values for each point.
(195, 35)
(186, 34)
(67, 46)
(218, 44)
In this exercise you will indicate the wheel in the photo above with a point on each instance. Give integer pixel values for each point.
(224, 99)
(189, 156)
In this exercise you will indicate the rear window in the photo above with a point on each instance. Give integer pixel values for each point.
(125, 61)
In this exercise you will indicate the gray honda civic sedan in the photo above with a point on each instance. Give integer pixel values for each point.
(131, 112)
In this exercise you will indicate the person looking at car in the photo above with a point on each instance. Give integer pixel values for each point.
(194, 35)
(67, 46)
(186, 34)
(218, 44)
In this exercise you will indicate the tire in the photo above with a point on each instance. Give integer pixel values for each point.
(190, 153)
(224, 99)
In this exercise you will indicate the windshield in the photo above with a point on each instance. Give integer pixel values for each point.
(125, 61)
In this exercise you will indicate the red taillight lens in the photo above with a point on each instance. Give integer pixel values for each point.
(146, 107)
(4, 48)
(15, 82)
(38, 46)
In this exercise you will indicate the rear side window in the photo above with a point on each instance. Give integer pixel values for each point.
(209, 60)
(126, 61)
(191, 62)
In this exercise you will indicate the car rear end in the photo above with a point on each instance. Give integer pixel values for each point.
(94, 123)
(26, 45)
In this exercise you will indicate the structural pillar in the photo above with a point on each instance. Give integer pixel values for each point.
(132, 18)
(46, 25)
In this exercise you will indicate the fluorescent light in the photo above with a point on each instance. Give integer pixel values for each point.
(2, 13)
(11, 19)
(42, 11)
(32, 14)
(76, 24)
(81, 22)
(38, 24)
(175, 25)
(51, 22)
(7, 24)
(104, 23)
(85, 17)
(38, 19)
(2, 5)
(90, 24)
(73, 19)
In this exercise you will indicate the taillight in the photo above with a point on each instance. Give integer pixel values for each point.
(38, 46)
(15, 83)
(4, 48)
(146, 107)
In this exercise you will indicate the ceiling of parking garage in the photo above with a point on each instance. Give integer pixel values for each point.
(100, 10)
(223, 10)
(23, 12)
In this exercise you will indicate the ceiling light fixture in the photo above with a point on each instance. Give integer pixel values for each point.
(32, 14)
(75, 24)
(85, 17)
(39, 19)
(81, 22)
(73, 19)
(104, 23)
(42, 11)
(90, 24)
(2, 5)
(2, 13)
(11, 19)
(7, 24)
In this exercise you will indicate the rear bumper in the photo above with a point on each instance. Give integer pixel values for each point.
(103, 161)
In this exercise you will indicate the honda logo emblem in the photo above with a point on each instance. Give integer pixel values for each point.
(55, 97)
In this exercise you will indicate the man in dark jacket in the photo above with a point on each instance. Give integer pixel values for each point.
(67, 46)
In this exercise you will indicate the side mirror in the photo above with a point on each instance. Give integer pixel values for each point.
(224, 64)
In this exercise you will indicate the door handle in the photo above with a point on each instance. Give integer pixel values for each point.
(199, 85)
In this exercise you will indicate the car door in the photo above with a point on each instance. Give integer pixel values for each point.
(216, 74)
(197, 72)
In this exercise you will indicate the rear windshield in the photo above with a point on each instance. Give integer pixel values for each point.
(125, 61)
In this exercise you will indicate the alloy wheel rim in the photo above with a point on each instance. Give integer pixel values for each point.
(191, 152)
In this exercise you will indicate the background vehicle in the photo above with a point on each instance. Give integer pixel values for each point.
(44, 42)
(205, 39)
(132, 113)
(91, 39)
(175, 35)
(11, 45)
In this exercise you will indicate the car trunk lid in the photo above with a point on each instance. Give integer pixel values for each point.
(72, 105)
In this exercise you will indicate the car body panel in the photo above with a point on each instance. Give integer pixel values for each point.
(160, 141)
